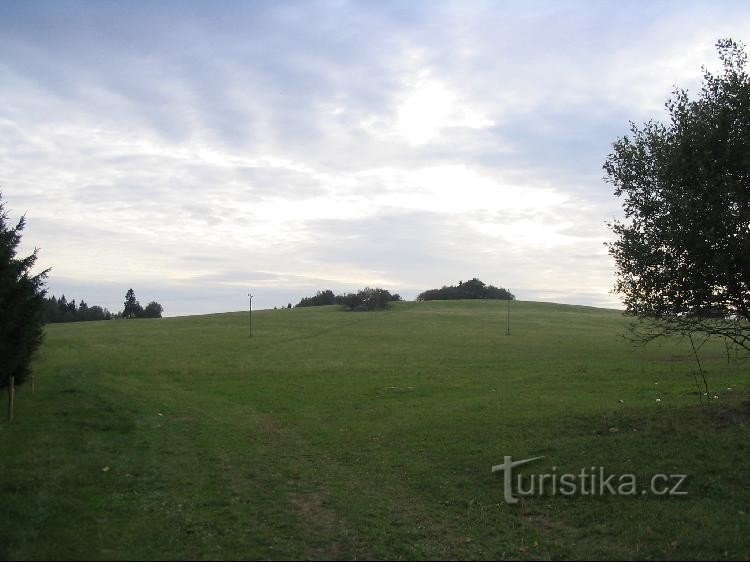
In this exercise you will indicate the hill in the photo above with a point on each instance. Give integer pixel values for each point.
(369, 435)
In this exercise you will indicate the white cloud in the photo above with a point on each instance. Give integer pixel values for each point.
(428, 107)
(401, 145)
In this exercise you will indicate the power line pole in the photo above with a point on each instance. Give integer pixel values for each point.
(250, 314)
(507, 332)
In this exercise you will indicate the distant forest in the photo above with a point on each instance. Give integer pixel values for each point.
(473, 289)
(62, 310)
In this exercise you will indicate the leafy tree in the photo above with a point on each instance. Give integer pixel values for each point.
(682, 252)
(153, 310)
(366, 299)
(21, 306)
(321, 298)
(98, 313)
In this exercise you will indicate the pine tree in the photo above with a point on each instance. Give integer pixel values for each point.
(21, 307)
(132, 307)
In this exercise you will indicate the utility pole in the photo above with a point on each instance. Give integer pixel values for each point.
(250, 314)
(507, 332)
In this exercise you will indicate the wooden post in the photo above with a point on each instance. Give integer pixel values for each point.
(11, 397)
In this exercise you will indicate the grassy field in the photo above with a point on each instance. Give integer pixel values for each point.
(369, 435)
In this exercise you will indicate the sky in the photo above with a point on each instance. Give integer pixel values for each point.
(199, 151)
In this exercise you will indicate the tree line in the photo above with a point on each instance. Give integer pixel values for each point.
(61, 310)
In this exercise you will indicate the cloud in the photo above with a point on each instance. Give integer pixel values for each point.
(194, 149)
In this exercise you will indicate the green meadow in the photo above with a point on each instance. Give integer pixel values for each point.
(330, 434)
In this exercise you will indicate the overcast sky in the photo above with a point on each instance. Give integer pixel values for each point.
(198, 151)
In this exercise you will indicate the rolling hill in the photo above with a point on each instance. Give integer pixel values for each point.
(370, 435)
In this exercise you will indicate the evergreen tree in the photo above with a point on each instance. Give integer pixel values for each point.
(83, 312)
(21, 305)
(132, 307)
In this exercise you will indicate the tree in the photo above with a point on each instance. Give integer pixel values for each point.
(21, 307)
(321, 298)
(83, 311)
(98, 313)
(132, 308)
(64, 311)
(153, 310)
(682, 252)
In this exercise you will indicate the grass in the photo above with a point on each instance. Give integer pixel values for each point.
(369, 435)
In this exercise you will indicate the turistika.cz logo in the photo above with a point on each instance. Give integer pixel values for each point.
(590, 481)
